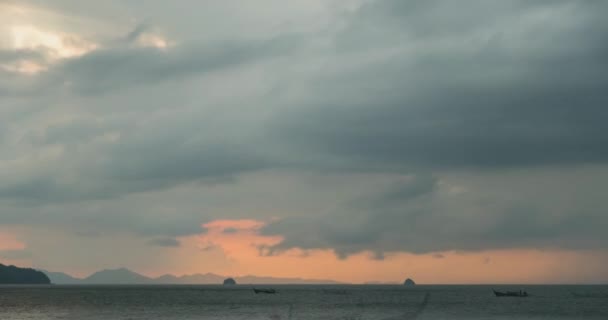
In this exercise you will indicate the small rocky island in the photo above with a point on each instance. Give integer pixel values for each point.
(16, 275)
(229, 282)
(409, 282)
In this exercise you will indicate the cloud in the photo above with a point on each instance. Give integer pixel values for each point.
(449, 98)
(120, 68)
(426, 217)
(118, 65)
(523, 90)
(416, 126)
(106, 156)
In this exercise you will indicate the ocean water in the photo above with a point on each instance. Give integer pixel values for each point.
(300, 302)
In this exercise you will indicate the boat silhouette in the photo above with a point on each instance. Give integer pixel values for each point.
(270, 291)
(510, 293)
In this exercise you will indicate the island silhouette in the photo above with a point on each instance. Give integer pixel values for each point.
(16, 275)
(126, 276)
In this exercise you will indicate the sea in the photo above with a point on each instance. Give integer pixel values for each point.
(347, 302)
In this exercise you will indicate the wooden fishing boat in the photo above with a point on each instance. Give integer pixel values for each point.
(510, 293)
(269, 291)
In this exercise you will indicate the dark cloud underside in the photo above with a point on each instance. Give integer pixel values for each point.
(509, 97)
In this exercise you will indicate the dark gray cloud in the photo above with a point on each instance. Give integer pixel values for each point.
(142, 160)
(423, 215)
(388, 88)
(122, 68)
(503, 98)
(122, 65)
(363, 224)
(470, 92)
(389, 20)
(143, 215)
(160, 152)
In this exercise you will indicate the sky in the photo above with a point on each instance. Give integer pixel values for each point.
(359, 141)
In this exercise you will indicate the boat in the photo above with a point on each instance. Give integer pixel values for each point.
(510, 293)
(270, 291)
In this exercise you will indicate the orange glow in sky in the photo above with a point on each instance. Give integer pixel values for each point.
(233, 248)
(9, 241)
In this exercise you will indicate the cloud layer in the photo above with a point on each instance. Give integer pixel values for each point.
(376, 126)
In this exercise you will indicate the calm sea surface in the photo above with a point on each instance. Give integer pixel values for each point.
(301, 302)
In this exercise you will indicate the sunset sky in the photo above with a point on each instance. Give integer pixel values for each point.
(354, 140)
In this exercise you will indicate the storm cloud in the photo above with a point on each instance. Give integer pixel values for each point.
(452, 89)
(422, 214)
(378, 125)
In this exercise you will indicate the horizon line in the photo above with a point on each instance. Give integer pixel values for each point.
(336, 282)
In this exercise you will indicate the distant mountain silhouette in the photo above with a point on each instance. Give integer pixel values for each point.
(229, 282)
(16, 275)
(126, 276)
(207, 278)
(61, 278)
(117, 276)
(249, 279)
